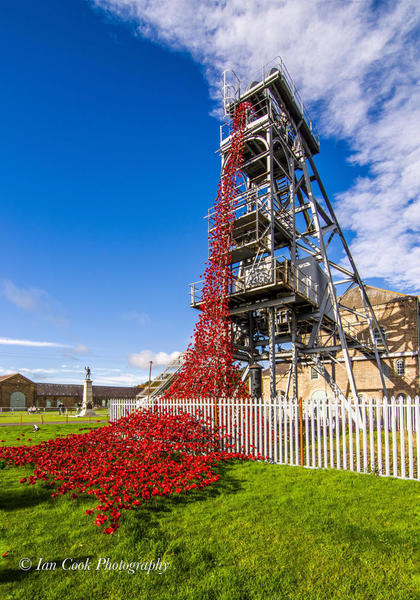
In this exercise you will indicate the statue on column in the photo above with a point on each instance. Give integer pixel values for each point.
(87, 402)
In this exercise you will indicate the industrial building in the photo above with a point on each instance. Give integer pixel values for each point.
(20, 393)
(399, 319)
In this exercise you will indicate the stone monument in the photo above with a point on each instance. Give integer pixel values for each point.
(87, 403)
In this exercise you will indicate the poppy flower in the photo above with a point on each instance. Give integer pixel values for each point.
(155, 452)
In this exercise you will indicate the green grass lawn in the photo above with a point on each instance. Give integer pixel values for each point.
(262, 532)
(47, 417)
(9, 435)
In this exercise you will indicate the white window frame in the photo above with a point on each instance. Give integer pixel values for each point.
(400, 367)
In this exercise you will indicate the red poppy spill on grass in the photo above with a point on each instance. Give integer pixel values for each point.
(127, 463)
(145, 455)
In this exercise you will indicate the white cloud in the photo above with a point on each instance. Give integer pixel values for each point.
(39, 371)
(80, 349)
(28, 372)
(14, 342)
(357, 63)
(159, 359)
(101, 376)
(125, 379)
(34, 300)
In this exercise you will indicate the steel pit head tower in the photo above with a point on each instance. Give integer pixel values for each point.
(286, 294)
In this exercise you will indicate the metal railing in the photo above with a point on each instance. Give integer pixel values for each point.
(162, 381)
(267, 272)
(257, 200)
(234, 89)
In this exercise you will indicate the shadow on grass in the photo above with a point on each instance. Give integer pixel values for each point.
(14, 574)
(146, 518)
(368, 538)
(24, 497)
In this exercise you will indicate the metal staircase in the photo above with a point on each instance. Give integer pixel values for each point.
(162, 382)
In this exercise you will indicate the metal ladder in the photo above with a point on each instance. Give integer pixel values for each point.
(163, 380)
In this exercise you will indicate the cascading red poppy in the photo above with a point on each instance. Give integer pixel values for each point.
(146, 454)
(128, 463)
(209, 369)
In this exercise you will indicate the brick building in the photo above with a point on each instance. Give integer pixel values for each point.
(19, 392)
(398, 317)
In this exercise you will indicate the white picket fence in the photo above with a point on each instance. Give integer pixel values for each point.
(122, 407)
(367, 436)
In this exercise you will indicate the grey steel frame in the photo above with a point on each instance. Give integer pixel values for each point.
(278, 163)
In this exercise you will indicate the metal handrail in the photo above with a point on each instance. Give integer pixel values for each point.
(261, 76)
(268, 272)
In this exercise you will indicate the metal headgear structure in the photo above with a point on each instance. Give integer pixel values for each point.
(285, 293)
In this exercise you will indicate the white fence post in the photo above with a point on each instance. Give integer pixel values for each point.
(386, 435)
(343, 416)
(364, 425)
(371, 437)
(350, 422)
(379, 435)
(402, 438)
(357, 412)
(297, 442)
(290, 410)
(313, 434)
(417, 420)
(410, 438)
(394, 438)
(306, 417)
(330, 425)
(285, 431)
(331, 439)
(337, 432)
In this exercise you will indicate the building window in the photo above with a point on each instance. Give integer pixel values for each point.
(314, 373)
(377, 336)
(400, 367)
(17, 400)
(385, 370)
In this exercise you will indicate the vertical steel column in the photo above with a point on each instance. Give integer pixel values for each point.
(293, 250)
(331, 288)
(293, 259)
(372, 321)
(294, 359)
(418, 347)
(271, 310)
(272, 351)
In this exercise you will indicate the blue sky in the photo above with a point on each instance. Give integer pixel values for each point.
(108, 166)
